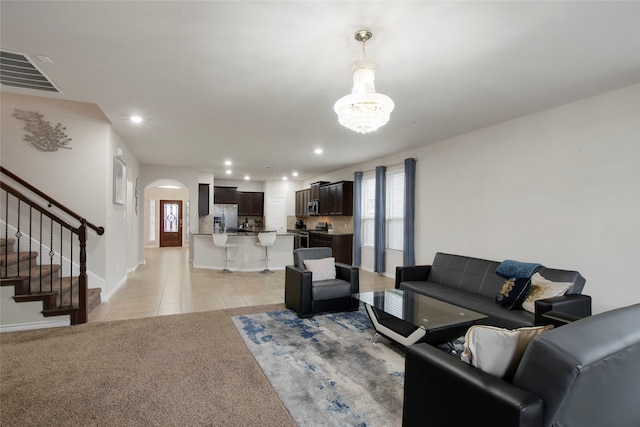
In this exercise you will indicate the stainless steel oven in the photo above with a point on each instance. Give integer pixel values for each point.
(301, 239)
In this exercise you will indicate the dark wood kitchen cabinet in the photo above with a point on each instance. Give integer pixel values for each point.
(336, 199)
(341, 245)
(250, 203)
(315, 190)
(302, 202)
(203, 199)
(225, 195)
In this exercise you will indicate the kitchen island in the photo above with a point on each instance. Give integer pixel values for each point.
(246, 256)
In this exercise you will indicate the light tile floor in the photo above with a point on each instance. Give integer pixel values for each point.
(168, 284)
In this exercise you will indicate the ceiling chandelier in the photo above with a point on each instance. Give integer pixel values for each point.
(364, 110)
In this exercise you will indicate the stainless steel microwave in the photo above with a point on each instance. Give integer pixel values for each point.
(312, 208)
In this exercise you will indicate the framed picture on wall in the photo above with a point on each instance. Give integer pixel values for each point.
(119, 181)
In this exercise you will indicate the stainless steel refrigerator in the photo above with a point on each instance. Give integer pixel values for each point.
(224, 217)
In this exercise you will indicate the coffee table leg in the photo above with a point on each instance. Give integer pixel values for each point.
(385, 327)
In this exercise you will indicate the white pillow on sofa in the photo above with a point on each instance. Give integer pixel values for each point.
(498, 351)
(321, 269)
(542, 288)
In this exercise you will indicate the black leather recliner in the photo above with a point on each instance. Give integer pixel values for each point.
(582, 374)
(307, 297)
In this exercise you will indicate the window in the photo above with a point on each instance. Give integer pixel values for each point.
(395, 209)
(368, 204)
(187, 221)
(152, 220)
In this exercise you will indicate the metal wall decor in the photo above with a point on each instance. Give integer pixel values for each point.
(40, 134)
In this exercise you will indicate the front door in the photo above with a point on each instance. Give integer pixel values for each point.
(171, 223)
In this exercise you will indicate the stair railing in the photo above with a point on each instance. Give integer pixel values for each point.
(52, 229)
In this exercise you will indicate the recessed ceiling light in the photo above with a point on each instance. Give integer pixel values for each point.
(294, 173)
(318, 151)
(284, 178)
(136, 119)
(228, 172)
(247, 178)
(227, 162)
(173, 187)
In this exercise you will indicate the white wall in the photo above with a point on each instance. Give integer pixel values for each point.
(560, 187)
(241, 185)
(82, 190)
(280, 190)
(122, 224)
(80, 177)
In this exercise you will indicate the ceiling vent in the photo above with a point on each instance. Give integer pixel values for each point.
(16, 69)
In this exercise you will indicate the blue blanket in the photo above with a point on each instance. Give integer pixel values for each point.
(516, 269)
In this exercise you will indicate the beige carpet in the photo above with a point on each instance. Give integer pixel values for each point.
(182, 370)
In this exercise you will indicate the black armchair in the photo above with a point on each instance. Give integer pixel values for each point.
(306, 296)
(584, 373)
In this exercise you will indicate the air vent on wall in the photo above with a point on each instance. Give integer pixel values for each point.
(16, 69)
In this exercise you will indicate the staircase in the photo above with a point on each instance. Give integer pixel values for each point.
(53, 269)
(42, 282)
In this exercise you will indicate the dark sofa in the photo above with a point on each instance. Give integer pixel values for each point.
(473, 283)
(582, 374)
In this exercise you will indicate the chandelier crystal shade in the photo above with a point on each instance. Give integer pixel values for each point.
(364, 110)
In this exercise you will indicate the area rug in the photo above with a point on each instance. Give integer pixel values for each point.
(326, 369)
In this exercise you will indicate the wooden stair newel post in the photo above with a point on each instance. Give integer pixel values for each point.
(82, 281)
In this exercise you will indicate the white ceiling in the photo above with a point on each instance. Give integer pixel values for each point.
(255, 82)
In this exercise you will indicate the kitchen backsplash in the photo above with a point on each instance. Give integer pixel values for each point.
(205, 223)
(341, 224)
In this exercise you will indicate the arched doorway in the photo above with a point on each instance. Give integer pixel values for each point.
(167, 211)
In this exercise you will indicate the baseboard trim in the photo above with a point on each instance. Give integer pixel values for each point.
(36, 325)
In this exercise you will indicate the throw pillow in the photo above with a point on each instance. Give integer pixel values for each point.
(498, 351)
(542, 288)
(513, 293)
(321, 269)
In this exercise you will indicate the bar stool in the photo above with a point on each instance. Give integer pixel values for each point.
(266, 239)
(220, 240)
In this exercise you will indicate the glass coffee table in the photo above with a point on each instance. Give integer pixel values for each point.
(407, 317)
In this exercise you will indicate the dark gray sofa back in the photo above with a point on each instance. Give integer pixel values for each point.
(587, 372)
(479, 276)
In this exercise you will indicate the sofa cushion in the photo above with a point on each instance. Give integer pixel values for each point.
(321, 269)
(330, 289)
(472, 275)
(542, 288)
(498, 351)
(498, 316)
(564, 276)
(513, 293)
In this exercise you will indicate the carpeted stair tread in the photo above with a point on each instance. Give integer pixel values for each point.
(11, 262)
(44, 278)
(8, 243)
